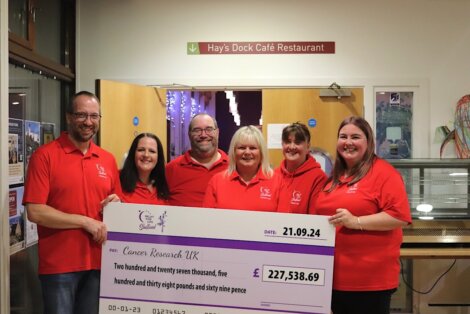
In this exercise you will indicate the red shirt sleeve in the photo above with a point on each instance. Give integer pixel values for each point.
(317, 187)
(117, 181)
(37, 179)
(394, 199)
(210, 200)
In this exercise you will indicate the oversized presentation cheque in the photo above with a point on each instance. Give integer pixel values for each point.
(182, 260)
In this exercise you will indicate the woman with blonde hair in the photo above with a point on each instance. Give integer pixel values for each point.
(249, 183)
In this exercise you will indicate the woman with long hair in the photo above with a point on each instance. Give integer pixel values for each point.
(143, 174)
(367, 202)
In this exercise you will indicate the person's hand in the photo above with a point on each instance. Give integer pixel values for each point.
(108, 199)
(343, 218)
(97, 229)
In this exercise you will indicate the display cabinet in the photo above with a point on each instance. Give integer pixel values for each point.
(438, 193)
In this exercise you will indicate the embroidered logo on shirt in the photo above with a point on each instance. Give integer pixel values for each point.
(265, 193)
(352, 189)
(101, 171)
(296, 198)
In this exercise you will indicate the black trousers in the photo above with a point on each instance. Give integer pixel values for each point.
(361, 302)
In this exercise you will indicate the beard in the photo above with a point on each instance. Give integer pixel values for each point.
(81, 137)
(204, 147)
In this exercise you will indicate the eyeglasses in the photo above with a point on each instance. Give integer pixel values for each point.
(198, 131)
(82, 116)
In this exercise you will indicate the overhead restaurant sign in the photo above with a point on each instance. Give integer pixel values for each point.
(261, 47)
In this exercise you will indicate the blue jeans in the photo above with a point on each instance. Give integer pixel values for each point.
(71, 293)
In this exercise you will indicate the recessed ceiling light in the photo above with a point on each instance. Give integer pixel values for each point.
(425, 208)
(458, 174)
(426, 217)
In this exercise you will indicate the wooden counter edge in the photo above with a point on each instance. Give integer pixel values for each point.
(435, 253)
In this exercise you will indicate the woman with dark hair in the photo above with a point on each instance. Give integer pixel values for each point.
(302, 176)
(143, 175)
(367, 202)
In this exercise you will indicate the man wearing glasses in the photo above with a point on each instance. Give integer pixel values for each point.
(188, 175)
(69, 181)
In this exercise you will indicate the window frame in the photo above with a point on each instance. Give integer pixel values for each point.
(22, 50)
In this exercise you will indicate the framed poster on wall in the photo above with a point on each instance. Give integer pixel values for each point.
(15, 151)
(393, 128)
(32, 140)
(16, 219)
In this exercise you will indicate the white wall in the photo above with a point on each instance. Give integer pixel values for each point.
(423, 44)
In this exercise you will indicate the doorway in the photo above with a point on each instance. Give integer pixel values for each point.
(169, 113)
(275, 107)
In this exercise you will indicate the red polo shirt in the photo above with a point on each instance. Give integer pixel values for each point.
(142, 195)
(299, 189)
(231, 192)
(368, 260)
(187, 179)
(59, 175)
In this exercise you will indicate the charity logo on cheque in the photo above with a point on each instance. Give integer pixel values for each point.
(147, 220)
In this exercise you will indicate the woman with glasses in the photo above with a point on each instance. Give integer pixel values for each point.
(302, 176)
(143, 175)
(367, 202)
(249, 183)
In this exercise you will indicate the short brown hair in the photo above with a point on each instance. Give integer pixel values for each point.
(299, 130)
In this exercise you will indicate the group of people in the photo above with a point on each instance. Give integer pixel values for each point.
(71, 179)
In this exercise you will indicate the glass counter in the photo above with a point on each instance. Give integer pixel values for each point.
(438, 193)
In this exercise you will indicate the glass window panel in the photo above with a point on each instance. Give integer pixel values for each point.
(42, 96)
(38, 99)
(18, 17)
(48, 29)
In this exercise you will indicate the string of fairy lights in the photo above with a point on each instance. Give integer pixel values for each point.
(181, 107)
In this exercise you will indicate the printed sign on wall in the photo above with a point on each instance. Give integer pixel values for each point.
(261, 47)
